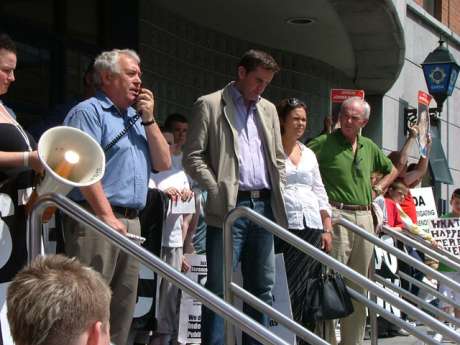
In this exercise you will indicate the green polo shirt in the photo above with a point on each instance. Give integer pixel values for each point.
(442, 266)
(346, 176)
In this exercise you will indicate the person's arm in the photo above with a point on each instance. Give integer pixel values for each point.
(20, 159)
(195, 149)
(382, 185)
(326, 237)
(404, 152)
(98, 201)
(415, 175)
(325, 209)
(188, 242)
(279, 151)
(187, 229)
(158, 146)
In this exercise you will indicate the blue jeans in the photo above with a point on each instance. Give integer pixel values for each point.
(253, 246)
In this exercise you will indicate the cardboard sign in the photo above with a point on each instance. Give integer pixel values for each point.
(447, 233)
(425, 206)
(190, 308)
(423, 121)
(337, 96)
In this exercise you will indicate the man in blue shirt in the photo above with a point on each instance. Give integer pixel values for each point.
(122, 193)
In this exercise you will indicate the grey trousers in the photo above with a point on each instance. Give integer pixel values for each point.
(168, 301)
(119, 269)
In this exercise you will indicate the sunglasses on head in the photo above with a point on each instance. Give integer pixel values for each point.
(295, 102)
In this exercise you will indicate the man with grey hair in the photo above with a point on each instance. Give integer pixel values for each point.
(346, 161)
(133, 149)
(57, 300)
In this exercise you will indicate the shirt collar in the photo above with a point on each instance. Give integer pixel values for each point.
(238, 97)
(107, 103)
(338, 134)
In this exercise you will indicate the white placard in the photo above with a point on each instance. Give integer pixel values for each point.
(447, 233)
(183, 207)
(425, 206)
(190, 308)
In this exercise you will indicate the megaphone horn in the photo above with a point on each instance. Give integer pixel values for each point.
(71, 159)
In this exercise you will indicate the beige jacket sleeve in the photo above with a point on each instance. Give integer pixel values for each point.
(195, 149)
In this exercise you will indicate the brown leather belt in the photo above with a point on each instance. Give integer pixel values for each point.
(126, 212)
(342, 206)
(253, 194)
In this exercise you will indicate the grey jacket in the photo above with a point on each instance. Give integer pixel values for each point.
(211, 154)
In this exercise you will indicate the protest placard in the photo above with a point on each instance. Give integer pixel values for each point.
(337, 96)
(425, 206)
(446, 231)
(423, 121)
(190, 308)
(386, 266)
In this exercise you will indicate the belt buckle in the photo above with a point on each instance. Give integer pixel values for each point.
(255, 194)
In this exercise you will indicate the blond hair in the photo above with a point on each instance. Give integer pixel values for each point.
(55, 300)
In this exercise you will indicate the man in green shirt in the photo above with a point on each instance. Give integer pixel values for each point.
(346, 161)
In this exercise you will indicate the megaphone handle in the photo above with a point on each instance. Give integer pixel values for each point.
(48, 214)
(31, 202)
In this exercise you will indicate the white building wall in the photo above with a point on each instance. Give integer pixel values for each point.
(421, 37)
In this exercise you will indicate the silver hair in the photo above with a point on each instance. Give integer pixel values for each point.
(108, 61)
(367, 110)
(349, 101)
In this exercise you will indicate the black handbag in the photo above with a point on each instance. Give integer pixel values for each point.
(326, 298)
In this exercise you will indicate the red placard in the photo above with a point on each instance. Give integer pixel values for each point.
(337, 96)
(424, 98)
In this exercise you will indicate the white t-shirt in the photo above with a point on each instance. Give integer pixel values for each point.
(172, 227)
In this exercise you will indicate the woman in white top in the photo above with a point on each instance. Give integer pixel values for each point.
(307, 204)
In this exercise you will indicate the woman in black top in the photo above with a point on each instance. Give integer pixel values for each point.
(18, 164)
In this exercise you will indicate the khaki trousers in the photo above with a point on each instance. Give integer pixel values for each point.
(119, 269)
(354, 251)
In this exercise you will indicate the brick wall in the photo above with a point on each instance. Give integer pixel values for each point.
(446, 11)
(453, 10)
(183, 60)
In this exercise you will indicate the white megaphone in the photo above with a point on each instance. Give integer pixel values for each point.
(71, 159)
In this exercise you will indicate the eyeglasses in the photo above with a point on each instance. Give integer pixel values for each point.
(295, 102)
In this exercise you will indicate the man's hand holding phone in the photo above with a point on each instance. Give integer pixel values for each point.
(144, 105)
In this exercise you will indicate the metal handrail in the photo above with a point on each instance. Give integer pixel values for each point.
(408, 259)
(429, 289)
(213, 302)
(421, 245)
(310, 250)
(399, 254)
(422, 335)
(440, 314)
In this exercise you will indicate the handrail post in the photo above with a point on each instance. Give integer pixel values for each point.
(34, 229)
(372, 313)
(228, 272)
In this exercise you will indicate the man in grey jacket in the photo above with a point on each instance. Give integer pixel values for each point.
(234, 151)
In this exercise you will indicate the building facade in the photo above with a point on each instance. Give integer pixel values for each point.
(191, 48)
